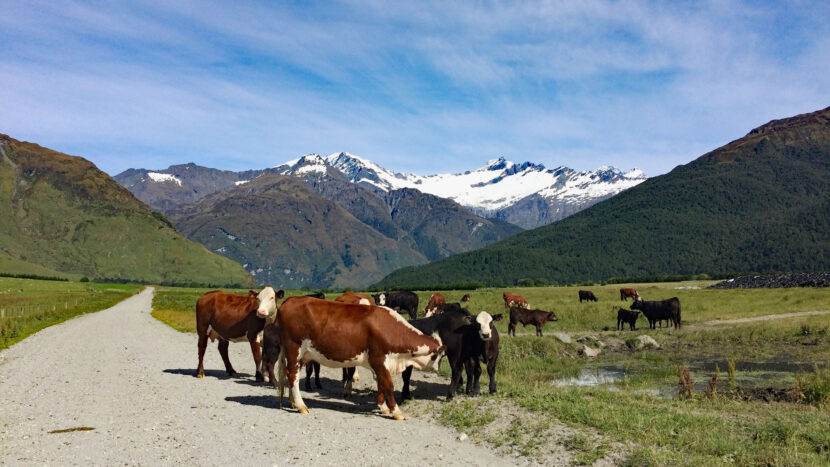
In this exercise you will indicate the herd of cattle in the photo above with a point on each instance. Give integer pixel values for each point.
(361, 330)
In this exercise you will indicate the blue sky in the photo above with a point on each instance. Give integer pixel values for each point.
(419, 87)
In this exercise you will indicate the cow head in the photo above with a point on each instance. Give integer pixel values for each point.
(483, 321)
(380, 299)
(268, 303)
(635, 305)
(552, 316)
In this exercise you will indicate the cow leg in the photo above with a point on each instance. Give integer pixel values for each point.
(347, 382)
(257, 351)
(223, 351)
(473, 375)
(317, 376)
(491, 372)
(386, 396)
(406, 376)
(511, 328)
(281, 372)
(271, 377)
(539, 331)
(293, 364)
(455, 379)
(200, 370)
(309, 368)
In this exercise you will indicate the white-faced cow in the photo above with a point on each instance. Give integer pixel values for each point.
(232, 317)
(434, 300)
(468, 341)
(399, 301)
(342, 335)
(511, 299)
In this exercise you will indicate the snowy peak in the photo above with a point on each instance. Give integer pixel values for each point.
(495, 186)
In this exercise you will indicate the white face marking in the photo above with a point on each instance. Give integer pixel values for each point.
(483, 320)
(382, 299)
(430, 313)
(267, 304)
(364, 301)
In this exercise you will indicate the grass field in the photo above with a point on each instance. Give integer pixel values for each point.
(28, 305)
(641, 409)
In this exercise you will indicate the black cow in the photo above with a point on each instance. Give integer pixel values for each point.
(658, 311)
(468, 340)
(587, 295)
(537, 318)
(442, 307)
(403, 300)
(627, 316)
(319, 295)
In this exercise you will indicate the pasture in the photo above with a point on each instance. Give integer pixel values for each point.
(770, 405)
(29, 305)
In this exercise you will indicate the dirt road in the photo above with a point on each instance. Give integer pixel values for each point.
(130, 378)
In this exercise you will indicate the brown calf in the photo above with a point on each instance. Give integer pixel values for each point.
(537, 318)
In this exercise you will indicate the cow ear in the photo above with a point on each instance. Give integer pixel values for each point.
(252, 293)
(280, 293)
(468, 319)
(497, 317)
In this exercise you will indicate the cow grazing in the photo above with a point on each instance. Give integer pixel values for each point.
(627, 316)
(232, 317)
(343, 335)
(587, 295)
(627, 292)
(537, 318)
(659, 311)
(355, 298)
(399, 301)
(319, 295)
(434, 300)
(443, 307)
(466, 298)
(511, 300)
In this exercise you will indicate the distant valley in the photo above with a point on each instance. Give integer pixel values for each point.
(349, 222)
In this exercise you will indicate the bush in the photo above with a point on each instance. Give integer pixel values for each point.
(85, 279)
(525, 283)
(817, 387)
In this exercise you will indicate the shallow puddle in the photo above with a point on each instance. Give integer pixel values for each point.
(593, 377)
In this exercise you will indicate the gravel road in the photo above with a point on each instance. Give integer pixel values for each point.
(130, 378)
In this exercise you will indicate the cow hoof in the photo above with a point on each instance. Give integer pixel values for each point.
(303, 410)
(398, 416)
(232, 374)
(260, 378)
(384, 411)
(200, 375)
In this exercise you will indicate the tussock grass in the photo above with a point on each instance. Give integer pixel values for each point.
(29, 305)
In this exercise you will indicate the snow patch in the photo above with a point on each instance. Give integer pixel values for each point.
(160, 177)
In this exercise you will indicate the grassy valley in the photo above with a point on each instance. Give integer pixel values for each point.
(758, 204)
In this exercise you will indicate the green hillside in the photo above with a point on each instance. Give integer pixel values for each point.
(758, 204)
(62, 216)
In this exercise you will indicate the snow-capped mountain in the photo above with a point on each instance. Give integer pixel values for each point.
(525, 194)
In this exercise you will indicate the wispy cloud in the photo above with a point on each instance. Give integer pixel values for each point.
(416, 86)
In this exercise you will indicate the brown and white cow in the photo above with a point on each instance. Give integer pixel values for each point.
(232, 317)
(511, 299)
(628, 292)
(466, 298)
(434, 300)
(342, 335)
(355, 298)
